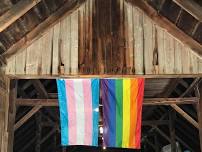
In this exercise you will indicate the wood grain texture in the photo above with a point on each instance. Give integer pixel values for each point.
(105, 38)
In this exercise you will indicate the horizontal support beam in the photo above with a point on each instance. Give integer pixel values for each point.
(147, 101)
(148, 76)
(155, 122)
(191, 7)
(15, 12)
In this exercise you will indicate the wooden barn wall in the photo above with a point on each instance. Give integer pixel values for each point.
(105, 37)
(4, 105)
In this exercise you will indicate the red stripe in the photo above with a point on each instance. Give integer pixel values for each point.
(139, 114)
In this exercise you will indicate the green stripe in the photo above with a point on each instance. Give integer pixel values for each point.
(119, 112)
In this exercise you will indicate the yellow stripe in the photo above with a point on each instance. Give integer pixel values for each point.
(126, 113)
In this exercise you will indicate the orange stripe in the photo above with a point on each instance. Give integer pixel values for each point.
(133, 113)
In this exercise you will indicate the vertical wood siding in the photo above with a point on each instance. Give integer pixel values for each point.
(106, 37)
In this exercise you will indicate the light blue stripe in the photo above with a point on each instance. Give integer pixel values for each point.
(95, 85)
(63, 111)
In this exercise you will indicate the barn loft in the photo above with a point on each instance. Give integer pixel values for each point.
(43, 40)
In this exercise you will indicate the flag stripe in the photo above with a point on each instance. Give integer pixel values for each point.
(119, 112)
(112, 116)
(139, 106)
(88, 112)
(126, 110)
(95, 103)
(106, 112)
(63, 111)
(72, 121)
(80, 115)
(133, 112)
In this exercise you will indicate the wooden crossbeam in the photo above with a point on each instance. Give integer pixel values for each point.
(190, 88)
(191, 7)
(15, 12)
(67, 8)
(155, 122)
(168, 25)
(147, 101)
(27, 117)
(185, 115)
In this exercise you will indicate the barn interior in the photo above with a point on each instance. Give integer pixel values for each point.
(104, 39)
(37, 126)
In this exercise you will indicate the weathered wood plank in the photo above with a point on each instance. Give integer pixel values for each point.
(66, 44)
(46, 52)
(138, 41)
(20, 66)
(74, 43)
(56, 49)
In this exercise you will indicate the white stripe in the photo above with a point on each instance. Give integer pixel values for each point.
(80, 118)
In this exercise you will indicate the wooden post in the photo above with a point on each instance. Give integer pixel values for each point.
(8, 91)
(199, 110)
(38, 132)
(172, 116)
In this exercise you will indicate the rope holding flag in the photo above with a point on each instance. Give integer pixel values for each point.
(122, 112)
(79, 111)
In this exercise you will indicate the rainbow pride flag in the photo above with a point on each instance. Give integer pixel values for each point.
(122, 112)
(79, 111)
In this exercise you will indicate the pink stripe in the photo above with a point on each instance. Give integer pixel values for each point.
(88, 111)
(71, 112)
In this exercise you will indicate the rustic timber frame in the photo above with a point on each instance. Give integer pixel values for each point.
(133, 40)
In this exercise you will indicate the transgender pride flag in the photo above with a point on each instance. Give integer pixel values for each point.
(79, 111)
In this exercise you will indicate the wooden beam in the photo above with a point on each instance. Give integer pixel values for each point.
(27, 117)
(191, 87)
(12, 113)
(4, 111)
(147, 101)
(40, 88)
(199, 112)
(169, 101)
(15, 12)
(191, 7)
(67, 8)
(168, 26)
(185, 115)
(172, 117)
(155, 122)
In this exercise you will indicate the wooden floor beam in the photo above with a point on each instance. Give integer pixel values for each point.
(147, 101)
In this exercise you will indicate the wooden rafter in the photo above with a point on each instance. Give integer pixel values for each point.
(191, 87)
(185, 115)
(168, 25)
(15, 12)
(147, 101)
(27, 117)
(37, 32)
(191, 7)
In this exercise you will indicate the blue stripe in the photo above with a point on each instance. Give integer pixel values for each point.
(112, 115)
(95, 86)
(63, 111)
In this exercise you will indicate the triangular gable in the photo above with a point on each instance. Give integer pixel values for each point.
(149, 49)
